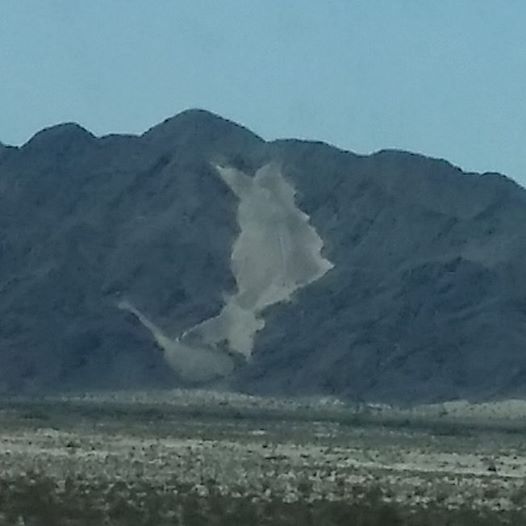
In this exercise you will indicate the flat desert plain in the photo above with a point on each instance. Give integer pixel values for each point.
(198, 457)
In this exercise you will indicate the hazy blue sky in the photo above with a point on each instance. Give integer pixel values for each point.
(442, 77)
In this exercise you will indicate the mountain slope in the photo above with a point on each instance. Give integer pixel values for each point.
(426, 298)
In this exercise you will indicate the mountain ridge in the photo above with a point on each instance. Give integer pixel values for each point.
(200, 114)
(425, 301)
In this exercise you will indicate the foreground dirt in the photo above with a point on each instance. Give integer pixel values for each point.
(237, 450)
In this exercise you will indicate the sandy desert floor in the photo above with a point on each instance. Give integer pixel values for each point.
(437, 460)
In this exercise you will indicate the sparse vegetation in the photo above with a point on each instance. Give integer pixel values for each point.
(39, 500)
(108, 463)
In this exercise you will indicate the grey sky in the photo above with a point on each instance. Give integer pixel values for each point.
(446, 78)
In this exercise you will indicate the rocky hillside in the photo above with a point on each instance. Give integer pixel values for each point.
(425, 298)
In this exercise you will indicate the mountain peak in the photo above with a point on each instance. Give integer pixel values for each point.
(59, 136)
(201, 128)
(195, 116)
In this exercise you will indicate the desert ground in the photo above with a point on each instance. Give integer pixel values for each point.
(198, 457)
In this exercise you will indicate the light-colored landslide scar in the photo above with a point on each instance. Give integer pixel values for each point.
(276, 253)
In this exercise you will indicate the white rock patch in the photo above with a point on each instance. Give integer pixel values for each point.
(276, 253)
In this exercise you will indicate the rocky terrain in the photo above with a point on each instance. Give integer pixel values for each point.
(422, 297)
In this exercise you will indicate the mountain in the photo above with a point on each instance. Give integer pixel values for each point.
(292, 266)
